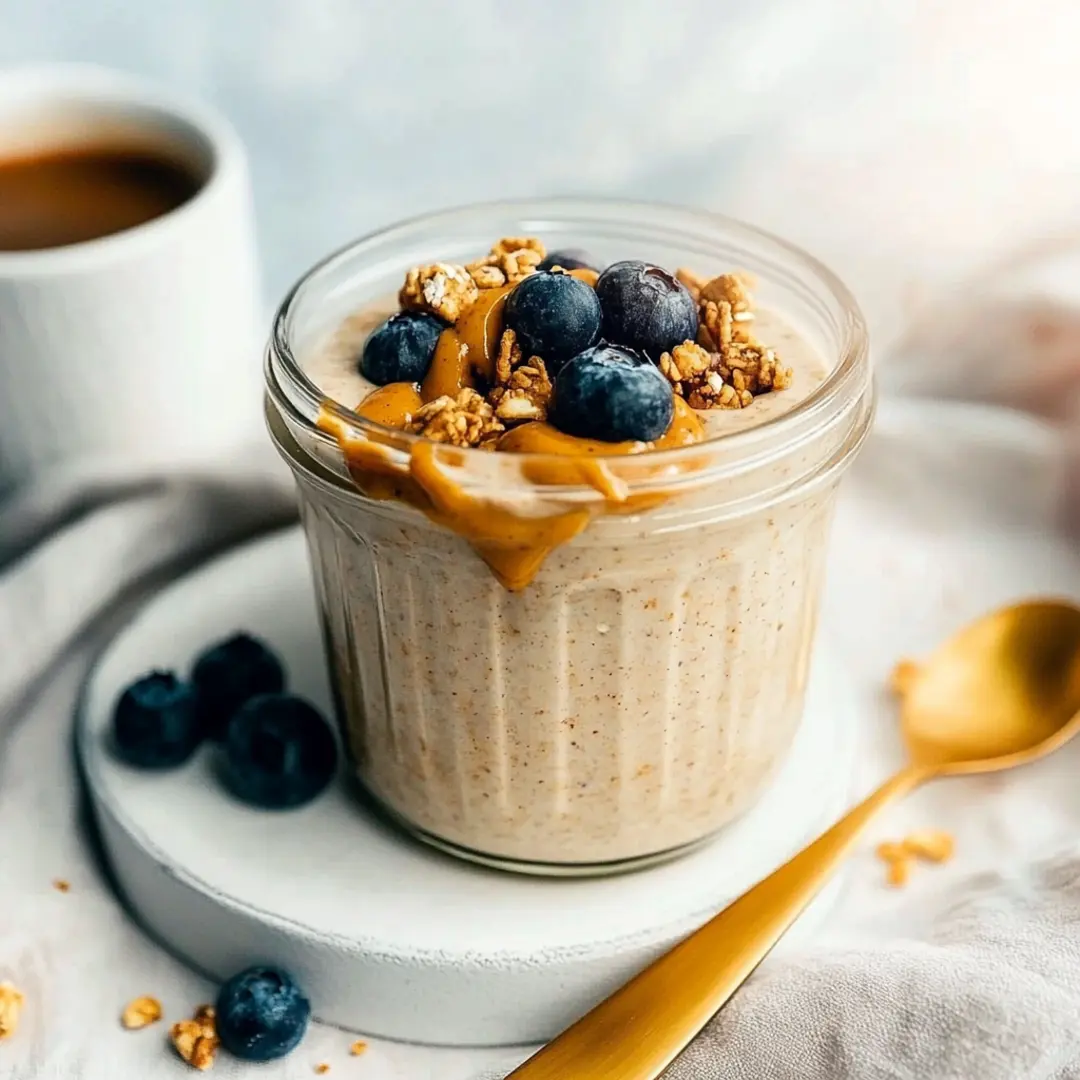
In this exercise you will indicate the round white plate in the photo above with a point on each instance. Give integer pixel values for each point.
(387, 936)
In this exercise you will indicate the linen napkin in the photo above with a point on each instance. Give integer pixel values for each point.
(88, 536)
(990, 992)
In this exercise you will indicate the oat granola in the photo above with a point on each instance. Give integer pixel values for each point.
(465, 420)
(11, 1004)
(522, 390)
(196, 1040)
(510, 259)
(442, 289)
(725, 368)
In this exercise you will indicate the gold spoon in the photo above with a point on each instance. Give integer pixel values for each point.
(1003, 692)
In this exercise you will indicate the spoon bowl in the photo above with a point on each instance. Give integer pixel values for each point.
(1002, 692)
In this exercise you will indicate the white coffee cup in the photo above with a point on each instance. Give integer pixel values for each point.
(143, 344)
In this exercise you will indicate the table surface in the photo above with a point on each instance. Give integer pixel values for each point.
(926, 537)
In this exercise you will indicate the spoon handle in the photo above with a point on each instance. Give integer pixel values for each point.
(638, 1031)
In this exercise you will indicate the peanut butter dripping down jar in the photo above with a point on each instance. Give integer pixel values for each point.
(513, 544)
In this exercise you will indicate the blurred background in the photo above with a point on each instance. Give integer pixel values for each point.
(903, 141)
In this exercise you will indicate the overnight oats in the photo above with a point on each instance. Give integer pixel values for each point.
(566, 472)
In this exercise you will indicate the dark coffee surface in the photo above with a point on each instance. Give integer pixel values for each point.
(69, 196)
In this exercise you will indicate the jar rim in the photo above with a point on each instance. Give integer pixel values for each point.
(848, 379)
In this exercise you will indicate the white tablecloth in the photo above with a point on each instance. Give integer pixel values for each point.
(952, 509)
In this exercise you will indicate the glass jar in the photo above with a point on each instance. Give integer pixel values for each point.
(636, 689)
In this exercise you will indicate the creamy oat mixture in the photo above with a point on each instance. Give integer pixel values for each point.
(633, 699)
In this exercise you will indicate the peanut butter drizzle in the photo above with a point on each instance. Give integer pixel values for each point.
(513, 545)
(583, 273)
(468, 348)
(392, 405)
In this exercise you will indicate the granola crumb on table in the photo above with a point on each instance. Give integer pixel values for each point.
(929, 845)
(141, 1012)
(11, 1005)
(196, 1040)
(359, 1047)
(934, 845)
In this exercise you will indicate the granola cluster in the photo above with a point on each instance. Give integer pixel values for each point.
(726, 368)
(448, 290)
(522, 390)
(511, 259)
(443, 289)
(465, 420)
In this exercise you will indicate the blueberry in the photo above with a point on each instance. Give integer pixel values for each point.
(569, 259)
(279, 752)
(555, 316)
(261, 1014)
(230, 673)
(612, 393)
(646, 308)
(156, 722)
(401, 349)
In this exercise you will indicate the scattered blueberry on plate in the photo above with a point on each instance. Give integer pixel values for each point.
(612, 393)
(401, 349)
(262, 1014)
(156, 723)
(646, 308)
(555, 316)
(229, 674)
(279, 752)
(569, 259)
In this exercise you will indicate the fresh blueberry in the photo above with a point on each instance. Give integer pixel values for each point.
(569, 259)
(156, 722)
(230, 673)
(279, 752)
(612, 393)
(261, 1014)
(401, 349)
(555, 316)
(646, 308)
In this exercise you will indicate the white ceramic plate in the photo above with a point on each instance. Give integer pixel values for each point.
(387, 936)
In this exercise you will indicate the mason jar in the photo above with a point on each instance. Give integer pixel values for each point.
(634, 690)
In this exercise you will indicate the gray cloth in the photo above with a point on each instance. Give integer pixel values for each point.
(990, 992)
(83, 539)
